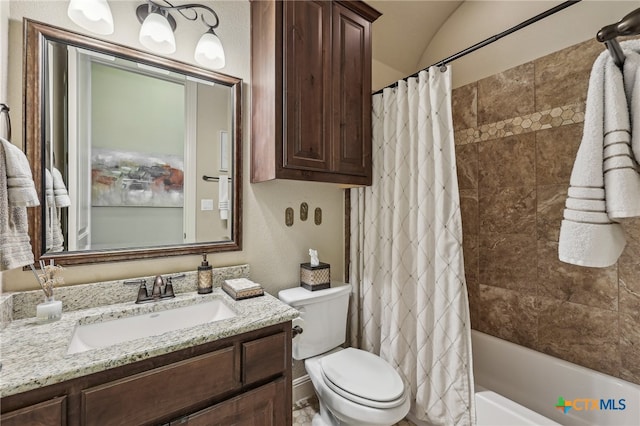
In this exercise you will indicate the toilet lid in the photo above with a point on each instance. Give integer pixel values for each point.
(363, 377)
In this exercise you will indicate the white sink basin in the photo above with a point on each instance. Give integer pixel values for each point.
(108, 333)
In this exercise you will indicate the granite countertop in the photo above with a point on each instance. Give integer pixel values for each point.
(35, 355)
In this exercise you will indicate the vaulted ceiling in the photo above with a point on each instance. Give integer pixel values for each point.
(405, 29)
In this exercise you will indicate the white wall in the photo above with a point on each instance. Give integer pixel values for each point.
(273, 250)
(475, 21)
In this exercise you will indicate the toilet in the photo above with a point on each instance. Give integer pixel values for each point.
(354, 387)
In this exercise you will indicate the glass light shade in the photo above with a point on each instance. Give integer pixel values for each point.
(209, 52)
(92, 15)
(156, 34)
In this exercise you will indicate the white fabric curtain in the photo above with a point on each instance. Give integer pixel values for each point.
(410, 303)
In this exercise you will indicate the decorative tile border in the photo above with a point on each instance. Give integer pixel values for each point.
(555, 117)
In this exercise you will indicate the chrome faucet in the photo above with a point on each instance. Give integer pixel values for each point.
(159, 291)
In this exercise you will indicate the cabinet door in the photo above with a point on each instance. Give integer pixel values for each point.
(351, 145)
(47, 413)
(165, 391)
(307, 85)
(264, 406)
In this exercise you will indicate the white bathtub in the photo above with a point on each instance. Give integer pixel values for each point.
(520, 377)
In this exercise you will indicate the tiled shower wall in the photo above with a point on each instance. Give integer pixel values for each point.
(517, 134)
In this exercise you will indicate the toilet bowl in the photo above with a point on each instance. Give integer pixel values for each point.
(362, 396)
(354, 387)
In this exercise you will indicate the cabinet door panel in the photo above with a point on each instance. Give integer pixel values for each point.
(352, 93)
(263, 406)
(264, 358)
(307, 96)
(145, 397)
(48, 413)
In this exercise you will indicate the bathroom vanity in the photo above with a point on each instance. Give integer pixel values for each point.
(232, 371)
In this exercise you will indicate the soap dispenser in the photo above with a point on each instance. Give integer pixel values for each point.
(205, 276)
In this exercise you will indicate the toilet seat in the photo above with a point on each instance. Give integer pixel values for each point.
(363, 378)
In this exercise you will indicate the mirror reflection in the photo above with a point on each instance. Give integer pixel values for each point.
(136, 153)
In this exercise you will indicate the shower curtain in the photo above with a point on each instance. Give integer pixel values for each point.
(410, 301)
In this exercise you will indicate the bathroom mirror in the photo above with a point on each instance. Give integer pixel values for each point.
(134, 155)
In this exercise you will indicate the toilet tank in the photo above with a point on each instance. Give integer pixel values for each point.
(324, 317)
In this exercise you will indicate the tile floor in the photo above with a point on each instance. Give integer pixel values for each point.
(304, 410)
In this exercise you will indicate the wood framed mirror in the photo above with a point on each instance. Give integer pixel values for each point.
(148, 149)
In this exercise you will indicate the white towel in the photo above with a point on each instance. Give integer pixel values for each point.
(20, 187)
(632, 88)
(54, 238)
(60, 190)
(223, 196)
(15, 245)
(605, 183)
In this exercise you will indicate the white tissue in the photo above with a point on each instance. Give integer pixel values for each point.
(314, 257)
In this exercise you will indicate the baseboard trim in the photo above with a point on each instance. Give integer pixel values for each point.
(302, 388)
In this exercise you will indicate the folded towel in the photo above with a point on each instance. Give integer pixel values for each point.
(605, 169)
(60, 190)
(15, 245)
(54, 239)
(20, 187)
(632, 88)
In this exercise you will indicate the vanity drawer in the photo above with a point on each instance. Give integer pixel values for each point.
(47, 413)
(158, 393)
(263, 358)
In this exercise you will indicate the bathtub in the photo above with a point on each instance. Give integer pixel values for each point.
(516, 386)
(519, 386)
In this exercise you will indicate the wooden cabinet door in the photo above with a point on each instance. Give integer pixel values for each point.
(307, 85)
(47, 413)
(155, 394)
(264, 406)
(351, 143)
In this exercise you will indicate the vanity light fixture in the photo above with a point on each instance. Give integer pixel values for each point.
(156, 33)
(92, 15)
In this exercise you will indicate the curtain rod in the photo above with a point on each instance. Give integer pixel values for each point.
(489, 40)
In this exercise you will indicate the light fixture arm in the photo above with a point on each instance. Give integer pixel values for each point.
(192, 7)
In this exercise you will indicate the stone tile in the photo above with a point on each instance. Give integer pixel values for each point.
(464, 106)
(507, 94)
(467, 166)
(556, 151)
(630, 347)
(508, 261)
(580, 334)
(549, 211)
(469, 211)
(508, 210)
(629, 270)
(562, 77)
(632, 228)
(470, 252)
(597, 287)
(507, 162)
(508, 314)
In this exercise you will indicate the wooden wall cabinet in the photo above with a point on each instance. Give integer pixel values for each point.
(245, 379)
(311, 91)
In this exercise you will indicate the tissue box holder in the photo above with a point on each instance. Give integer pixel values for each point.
(315, 277)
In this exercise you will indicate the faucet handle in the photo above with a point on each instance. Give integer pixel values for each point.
(168, 289)
(143, 293)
